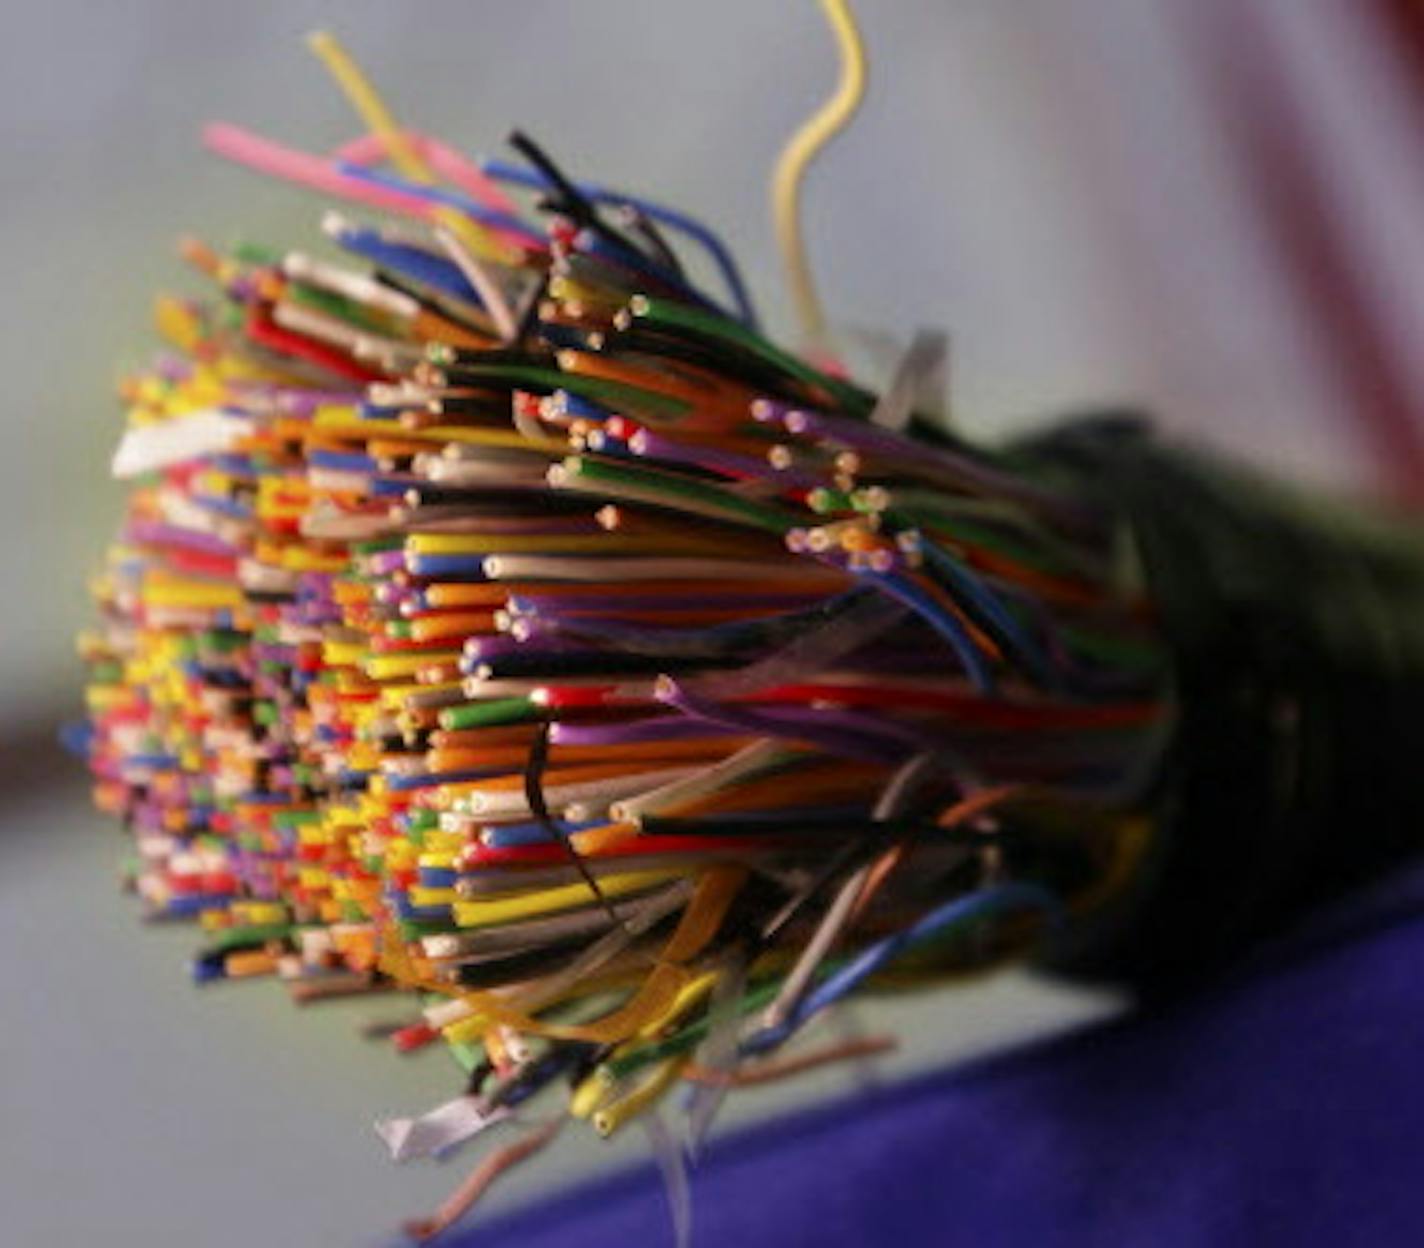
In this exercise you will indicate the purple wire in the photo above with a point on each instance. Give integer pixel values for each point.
(173, 367)
(848, 734)
(315, 585)
(646, 444)
(296, 401)
(385, 562)
(496, 645)
(482, 649)
(861, 436)
(627, 732)
(154, 533)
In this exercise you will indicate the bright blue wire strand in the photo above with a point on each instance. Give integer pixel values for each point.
(506, 171)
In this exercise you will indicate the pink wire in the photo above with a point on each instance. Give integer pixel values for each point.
(451, 165)
(245, 148)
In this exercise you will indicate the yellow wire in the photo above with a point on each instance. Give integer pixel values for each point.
(609, 1117)
(805, 144)
(379, 119)
(368, 103)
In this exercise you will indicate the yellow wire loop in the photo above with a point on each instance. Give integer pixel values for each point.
(796, 157)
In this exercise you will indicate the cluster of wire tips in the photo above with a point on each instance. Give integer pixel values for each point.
(500, 616)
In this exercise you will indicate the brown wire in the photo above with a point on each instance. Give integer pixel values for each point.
(479, 1180)
(786, 1067)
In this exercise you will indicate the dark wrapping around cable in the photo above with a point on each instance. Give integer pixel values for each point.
(1296, 634)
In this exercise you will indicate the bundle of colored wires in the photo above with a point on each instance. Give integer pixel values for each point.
(501, 616)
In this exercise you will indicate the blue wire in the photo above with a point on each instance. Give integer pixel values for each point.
(622, 256)
(223, 506)
(595, 245)
(507, 835)
(577, 406)
(77, 737)
(437, 877)
(507, 171)
(430, 780)
(193, 903)
(367, 410)
(963, 581)
(342, 461)
(406, 909)
(942, 622)
(389, 487)
(440, 195)
(448, 565)
(1013, 895)
(411, 261)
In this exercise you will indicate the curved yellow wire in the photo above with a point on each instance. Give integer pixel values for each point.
(796, 156)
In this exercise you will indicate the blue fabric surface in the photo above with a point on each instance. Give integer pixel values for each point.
(1282, 1107)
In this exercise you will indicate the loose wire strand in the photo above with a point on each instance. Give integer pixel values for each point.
(480, 1180)
(773, 1070)
(796, 158)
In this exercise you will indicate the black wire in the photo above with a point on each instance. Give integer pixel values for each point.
(706, 353)
(534, 795)
(478, 1077)
(529, 313)
(429, 300)
(657, 242)
(570, 199)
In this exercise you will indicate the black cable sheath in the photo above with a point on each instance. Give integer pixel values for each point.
(1297, 644)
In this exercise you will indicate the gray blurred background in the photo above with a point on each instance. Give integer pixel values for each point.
(1092, 196)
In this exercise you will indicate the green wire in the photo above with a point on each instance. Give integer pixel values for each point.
(221, 641)
(488, 714)
(252, 934)
(335, 306)
(616, 394)
(424, 820)
(247, 252)
(414, 929)
(686, 1039)
(758, 515)
(378, 545)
